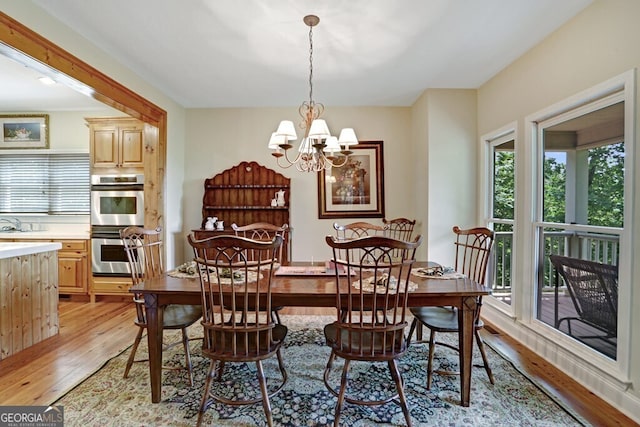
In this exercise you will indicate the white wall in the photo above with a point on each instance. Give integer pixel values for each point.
(218, 139)
(68, 129)
(598, 44)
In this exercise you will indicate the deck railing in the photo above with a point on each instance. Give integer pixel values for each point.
(590, 246)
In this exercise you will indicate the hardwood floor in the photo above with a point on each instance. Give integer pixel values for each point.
(91, 334)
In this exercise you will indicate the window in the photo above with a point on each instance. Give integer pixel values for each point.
(44, 183)
(500, 191)
(582, 196)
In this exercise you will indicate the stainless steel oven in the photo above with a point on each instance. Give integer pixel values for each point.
(117, 200)
(108, 257)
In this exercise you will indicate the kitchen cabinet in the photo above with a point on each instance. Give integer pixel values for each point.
(110, 285)
(243, 195)
(73, 267)
(116, 142)
(28, 295)
(73, 264)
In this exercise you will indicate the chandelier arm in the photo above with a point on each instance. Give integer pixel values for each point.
(296, 160)
(333, 164)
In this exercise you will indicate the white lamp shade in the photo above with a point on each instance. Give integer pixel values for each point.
(276, 140)
(347, 137)
(319, 129)
(287, 129)
(306, 146)
(332, 145)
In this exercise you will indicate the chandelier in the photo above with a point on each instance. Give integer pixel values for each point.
(318, 150)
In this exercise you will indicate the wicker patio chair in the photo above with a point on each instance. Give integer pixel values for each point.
(593, 288)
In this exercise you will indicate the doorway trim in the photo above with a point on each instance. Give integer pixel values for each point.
(32, 50)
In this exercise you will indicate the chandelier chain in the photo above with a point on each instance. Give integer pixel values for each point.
(310, 65)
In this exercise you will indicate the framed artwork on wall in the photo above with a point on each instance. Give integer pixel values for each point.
(24, 131)
(356, 189)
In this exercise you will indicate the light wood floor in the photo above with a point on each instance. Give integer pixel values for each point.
(90, 334)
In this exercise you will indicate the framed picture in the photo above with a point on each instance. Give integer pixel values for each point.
(25, 131)
(356, 189)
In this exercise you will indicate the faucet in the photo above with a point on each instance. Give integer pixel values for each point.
(16, 224)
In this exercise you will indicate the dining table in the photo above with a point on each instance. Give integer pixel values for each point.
(311, 288)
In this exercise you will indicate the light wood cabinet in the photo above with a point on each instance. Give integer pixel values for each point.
(103, 285)
(116, 142)
(73, 267)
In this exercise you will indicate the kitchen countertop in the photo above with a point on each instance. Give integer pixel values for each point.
(14, 249)
(52, 232)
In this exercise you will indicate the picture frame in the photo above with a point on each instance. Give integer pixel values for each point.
(356, 189)
(24, 131)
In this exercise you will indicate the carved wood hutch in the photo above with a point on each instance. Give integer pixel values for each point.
(243, 195)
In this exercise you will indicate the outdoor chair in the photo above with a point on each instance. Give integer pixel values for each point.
(593, 288)
(473, 249)
(238, 326)
(144, 253)
(375, 282)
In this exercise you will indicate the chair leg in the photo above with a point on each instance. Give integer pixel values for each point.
(187, 353)
(283, 371)
(134, 349)
(411, 329)
(327, 369)
(205, 393)
(343, 390)
(265, 394)
(220, 370)
(484, 356)
(395, 373)
(432, 346)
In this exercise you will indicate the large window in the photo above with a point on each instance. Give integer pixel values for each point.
(47, 183)
(582, 217)
(501, 200)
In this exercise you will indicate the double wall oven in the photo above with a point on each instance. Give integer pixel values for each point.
(117, 201)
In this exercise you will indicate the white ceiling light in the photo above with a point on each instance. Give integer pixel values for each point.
(318, 149)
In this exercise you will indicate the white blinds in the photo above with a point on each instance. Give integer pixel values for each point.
(48, 183)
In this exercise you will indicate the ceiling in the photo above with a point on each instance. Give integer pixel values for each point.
(255, 53)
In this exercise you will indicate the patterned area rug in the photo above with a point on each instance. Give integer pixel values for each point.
(106, 399)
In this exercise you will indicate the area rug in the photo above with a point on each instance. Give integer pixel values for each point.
(107, 399)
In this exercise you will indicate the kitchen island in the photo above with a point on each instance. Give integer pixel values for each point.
(28, 294)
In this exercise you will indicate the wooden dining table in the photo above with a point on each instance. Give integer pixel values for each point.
(311, 290)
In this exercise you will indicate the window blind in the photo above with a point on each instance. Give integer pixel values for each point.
(48, 183)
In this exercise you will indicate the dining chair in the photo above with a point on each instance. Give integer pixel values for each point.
(264, 231)
(355, 230)
(472, 253)
(144, 253)
(375, 282)
(399, 228)
(238, 327)
(358, 229)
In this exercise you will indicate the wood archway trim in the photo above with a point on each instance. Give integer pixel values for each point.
(29, 48)
(105, 89)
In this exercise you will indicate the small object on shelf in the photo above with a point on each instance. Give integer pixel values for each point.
(220, 225)
(274, 203)
(211, 223)
(280, 198)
